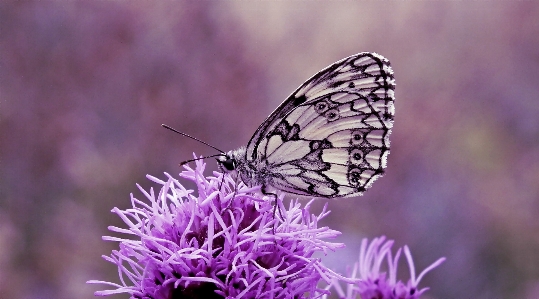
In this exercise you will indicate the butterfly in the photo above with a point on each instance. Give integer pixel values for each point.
(329, 138)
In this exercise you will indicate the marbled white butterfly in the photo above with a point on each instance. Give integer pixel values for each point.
(330, 138)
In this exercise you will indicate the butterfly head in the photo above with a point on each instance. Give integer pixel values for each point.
(232, 161)
(226, 162)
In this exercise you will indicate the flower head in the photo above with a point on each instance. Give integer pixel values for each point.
(376, 284)
(223, 242)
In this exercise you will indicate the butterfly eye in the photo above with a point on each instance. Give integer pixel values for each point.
(229, 164)
(332, 115)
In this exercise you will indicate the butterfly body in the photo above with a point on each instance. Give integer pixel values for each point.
(330, 138)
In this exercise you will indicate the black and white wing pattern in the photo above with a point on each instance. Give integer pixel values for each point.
(330, 138)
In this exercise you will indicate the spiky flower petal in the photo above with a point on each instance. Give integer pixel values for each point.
(374, 283)
(225, 241)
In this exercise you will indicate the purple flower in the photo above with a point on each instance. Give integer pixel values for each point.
(223, 242)
(377, 284)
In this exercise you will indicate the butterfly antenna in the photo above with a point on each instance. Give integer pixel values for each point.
(200, 158)
(189, 136)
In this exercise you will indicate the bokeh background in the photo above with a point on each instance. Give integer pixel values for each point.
(85, 86)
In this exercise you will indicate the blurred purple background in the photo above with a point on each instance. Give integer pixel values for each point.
(84, 87)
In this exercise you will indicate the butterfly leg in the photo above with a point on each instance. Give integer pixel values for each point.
(220, 186)
(275, 205)
(236, 182)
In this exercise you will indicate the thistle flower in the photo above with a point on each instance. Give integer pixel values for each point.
(224, 242)
(376, 284)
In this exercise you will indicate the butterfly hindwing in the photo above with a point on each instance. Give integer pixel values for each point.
(330, 137)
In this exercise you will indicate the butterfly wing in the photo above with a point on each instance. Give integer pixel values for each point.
(330, 138)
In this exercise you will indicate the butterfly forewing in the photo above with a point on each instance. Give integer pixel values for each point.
(330, 137)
